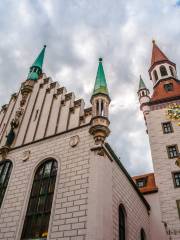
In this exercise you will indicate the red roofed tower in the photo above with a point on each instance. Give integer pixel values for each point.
(164, 138)
(163, 74)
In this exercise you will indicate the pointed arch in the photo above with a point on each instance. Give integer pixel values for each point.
(142, 234)
(163, 71)
(122, 222)
(5, 171)
(40, 202)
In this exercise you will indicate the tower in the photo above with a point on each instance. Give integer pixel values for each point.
(164, 136)
(100, 101)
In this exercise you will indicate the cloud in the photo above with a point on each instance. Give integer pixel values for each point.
(77, 33)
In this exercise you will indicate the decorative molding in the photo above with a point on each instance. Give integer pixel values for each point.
(74, 141)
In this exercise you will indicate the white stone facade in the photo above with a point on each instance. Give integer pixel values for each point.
(89, 188)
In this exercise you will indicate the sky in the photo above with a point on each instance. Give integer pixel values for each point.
(77, 33)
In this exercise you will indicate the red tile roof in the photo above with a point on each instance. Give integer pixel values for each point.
(150, 186)
(157, 55)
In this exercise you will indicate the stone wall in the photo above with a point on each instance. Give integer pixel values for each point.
(136, 211)
(164, 167)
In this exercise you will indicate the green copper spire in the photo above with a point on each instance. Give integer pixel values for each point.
(100, 84)
(141, 84)
(36, 68)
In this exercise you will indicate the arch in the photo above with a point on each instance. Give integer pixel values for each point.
(142, 234)
(171, 70)
(155, 75)
(40, 201)
(5, 172)
(122, 222)
(163, 70)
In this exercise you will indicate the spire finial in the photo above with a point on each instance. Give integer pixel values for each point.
(100, 59)
(153, 41)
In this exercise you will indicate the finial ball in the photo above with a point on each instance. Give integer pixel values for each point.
(44, 46)
(153, 41)
(100, 59)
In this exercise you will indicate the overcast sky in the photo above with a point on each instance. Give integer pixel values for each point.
(77, 33)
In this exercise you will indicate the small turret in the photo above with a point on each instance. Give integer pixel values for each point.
(143, 94)
(100, 101)
(35, 73)
(36, 68)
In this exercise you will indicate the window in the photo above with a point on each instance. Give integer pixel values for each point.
(171, 70)
(176, 177)
(163, 70)
(168, 87)
(172, 151)
(155, 75)
(143, 235)
(141, 182)
(178, 207)
(122, 223)
(40, 202)
(5, 171)
(167, 127)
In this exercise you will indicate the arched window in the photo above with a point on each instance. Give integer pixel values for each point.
(163, 70)
(40, 202)
(171, 70)
(143, 235)
(5, 171)
(155, 75)
(122, 222)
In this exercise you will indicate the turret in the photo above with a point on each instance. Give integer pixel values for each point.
(143, 94)
(34, 74)
(100, 101)
(161, 67)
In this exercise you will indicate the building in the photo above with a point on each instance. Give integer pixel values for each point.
(59, 178)
(163, 192)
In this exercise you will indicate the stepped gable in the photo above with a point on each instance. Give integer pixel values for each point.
(48, 110)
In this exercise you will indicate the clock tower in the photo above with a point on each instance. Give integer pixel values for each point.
(164, 135)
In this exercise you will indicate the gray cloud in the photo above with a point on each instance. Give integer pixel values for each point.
(77, 32)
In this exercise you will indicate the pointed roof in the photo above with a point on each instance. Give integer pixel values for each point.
(157, 54)
(141, 84)
(100, 83)
(39, 60)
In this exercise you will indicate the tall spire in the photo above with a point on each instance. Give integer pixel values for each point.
(157, 54)
(36, 68)
(141, 84)
(100, 83)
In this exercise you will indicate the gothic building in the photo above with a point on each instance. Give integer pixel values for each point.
(59, 177)
(162, 189)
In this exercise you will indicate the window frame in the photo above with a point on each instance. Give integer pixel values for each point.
(144, 180)
(163, 127)
(33, 215)
(6, 179)
(174, 180)
(166, 87)
(173, 145)
(122, 227)
(163, 71)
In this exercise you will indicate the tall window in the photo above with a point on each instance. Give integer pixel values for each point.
(171, 70)
(155, 75)
(5, 171)
(40, 202)
(178, 207)
(172, 151)
(143, 235)
(122, 223)
(163, 70)
(167, 127)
